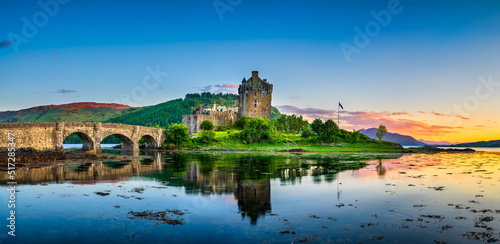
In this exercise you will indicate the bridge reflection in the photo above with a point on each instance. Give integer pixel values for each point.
(247, 177)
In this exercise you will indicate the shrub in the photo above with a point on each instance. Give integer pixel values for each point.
(224, 128)
(207, 125)
(290, 123)
(257, 130)
(206, 137)
(177, 134)
(306, 133)
(241, 123)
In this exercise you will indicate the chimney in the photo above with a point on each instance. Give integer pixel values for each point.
(255, 78)
(265, 80)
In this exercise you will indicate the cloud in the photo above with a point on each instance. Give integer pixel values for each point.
(448, 115)
(438, 114)
(394, 121)
(205, 88)
(63, 91)
(4, 44)
(220, 88)
(462, 117)
(309, 112)
(399, 113)
(295, 97)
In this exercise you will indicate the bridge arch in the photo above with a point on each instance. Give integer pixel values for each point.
(88, 142)
(150, 141)
(127, 143)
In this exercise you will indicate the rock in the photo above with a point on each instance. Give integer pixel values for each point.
(398, 146)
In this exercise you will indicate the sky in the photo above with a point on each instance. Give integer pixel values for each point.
(428, 69)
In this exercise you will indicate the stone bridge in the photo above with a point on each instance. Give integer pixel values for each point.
(50, 135)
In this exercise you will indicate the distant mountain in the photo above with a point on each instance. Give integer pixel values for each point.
(72, 112)
(435, 142)
(393, 137)
(494, 143)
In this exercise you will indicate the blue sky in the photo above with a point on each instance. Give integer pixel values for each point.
(426, 58)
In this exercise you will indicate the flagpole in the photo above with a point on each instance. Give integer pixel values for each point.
(338, 115)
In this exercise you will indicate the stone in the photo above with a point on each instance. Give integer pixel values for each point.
(254, 100)
(43, 136)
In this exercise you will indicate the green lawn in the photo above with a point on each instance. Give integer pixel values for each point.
(227, 140)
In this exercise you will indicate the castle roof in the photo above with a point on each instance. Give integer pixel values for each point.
(249, 81)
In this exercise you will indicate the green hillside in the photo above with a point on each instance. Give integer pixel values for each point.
(56, 114)
(169, 112)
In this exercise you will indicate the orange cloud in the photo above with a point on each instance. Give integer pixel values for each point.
(394, 121)
(462, 117)
(438, 114)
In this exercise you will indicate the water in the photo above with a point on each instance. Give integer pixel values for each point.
(80, 145)
(257, 198)
(479, 149)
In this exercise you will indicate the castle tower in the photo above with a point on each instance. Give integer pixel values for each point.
(254, 97)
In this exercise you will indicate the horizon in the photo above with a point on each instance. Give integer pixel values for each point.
(432, 76)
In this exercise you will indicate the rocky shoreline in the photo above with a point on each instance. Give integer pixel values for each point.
(28, 157)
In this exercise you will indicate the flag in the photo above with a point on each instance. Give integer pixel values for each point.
(340, 105)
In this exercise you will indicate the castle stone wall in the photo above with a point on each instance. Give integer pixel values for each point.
(194, 121)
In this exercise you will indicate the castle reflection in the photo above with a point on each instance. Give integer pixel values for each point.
(245, 176)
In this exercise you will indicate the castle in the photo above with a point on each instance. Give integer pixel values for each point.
(254, 100)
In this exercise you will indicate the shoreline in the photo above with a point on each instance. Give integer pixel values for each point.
(32, 158)
(27, 158)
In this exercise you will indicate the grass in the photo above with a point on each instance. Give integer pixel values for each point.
(227, 141)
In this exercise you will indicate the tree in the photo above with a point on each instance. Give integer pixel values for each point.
(325, 131)
(381, 132)
(177, 134)
(330, 128)
(355, 136)
(316, 126)
(256, 130)
(290, 123)
(207, 125)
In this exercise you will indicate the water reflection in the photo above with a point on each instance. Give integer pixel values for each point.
(245, 176)
(249, 198)
(254, 199)
(380, 169)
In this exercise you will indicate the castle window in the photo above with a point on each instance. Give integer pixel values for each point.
(255, 103)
